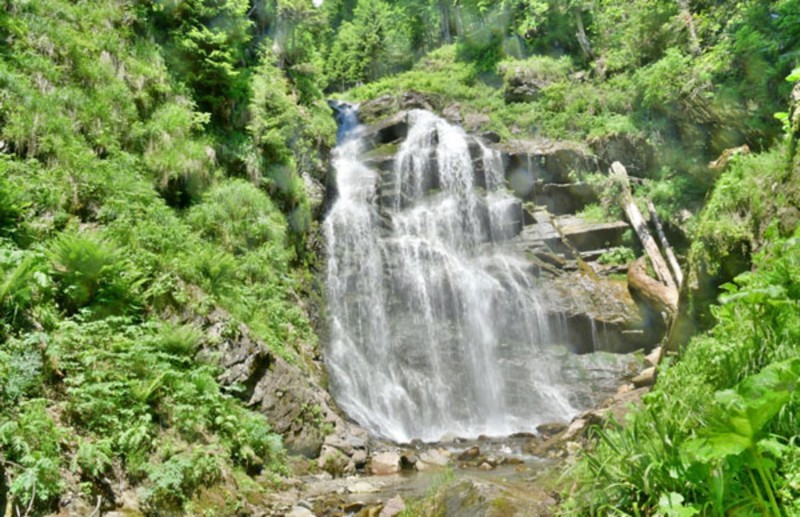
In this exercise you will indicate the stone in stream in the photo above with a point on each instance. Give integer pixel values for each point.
(360, 458)
(362, 487)
(469, 454)
(299, 511)
(550, 429)
(646, 378)
(479, 498)
(408, 460)
(353, 507)
(385, 463)
(393, 507)
(334, 461)
(433, 459)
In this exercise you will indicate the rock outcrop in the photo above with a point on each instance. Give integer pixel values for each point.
(291, 396)
(586, 306)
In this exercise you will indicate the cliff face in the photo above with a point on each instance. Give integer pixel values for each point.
(585, 296)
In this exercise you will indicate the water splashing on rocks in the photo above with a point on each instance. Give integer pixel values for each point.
(436, 327)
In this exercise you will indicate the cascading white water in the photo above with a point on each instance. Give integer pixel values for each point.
(435, 325)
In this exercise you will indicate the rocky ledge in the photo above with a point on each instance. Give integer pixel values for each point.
(588, 302)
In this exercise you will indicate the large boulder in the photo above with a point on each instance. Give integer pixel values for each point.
(549, 161)
(587, 235)
(290, 395)
(388, 130)
(384, 463)
(387, 105)
(632, 150)
(592, 313)
(564, 198)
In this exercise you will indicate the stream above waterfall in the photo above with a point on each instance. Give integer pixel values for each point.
(437, 326)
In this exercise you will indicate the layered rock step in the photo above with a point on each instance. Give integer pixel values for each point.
(543, 223)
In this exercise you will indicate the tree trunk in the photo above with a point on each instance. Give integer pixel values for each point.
(444, 13)
(648, 291)
(583, 39)
(694, 41)
(640, 227)
(673, 262)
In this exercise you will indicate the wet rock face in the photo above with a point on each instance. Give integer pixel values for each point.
(584, 308)
(292, 397)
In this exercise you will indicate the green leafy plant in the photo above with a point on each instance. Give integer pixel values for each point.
(617, 256)
(738, 427)
(90, 273)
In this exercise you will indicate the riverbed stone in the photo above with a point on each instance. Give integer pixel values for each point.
(470, 497)
(646, 378)
(300, 511)
(551, 429)
(360, 458)
(333, 460)
(408, 460)
(433, 459)
(384, 463)
(469, 454)
(362, 487)
(394, 506)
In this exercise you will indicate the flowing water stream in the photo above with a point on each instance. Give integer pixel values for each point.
(435, 324)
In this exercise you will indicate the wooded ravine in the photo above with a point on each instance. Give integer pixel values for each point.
(412, 257)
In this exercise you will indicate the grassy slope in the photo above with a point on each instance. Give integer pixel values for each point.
(119, 230)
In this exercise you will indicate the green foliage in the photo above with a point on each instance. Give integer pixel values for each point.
(483, 48)
(617, 256)
(119, 231)
(90, 274)
(723, 455)
(742, 205)
(287, 138)
(205, 43)
(25, 284)
(11, 207)
(181, 163)
(373, 43)
(238, 216)
(539, 68)
(127, 382)
(32, 441)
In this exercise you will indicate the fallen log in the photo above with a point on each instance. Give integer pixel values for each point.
(639, 224)
(673, 262)
(650, 292)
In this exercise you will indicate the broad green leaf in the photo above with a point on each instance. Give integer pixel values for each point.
(671, 505)
(716, 446)
(757, 295)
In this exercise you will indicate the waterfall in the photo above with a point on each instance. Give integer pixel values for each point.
(435, 324)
